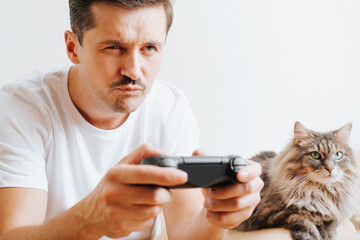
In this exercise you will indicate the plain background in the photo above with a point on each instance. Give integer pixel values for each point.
(250, 68)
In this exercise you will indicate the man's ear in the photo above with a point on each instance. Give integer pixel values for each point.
(72, 47)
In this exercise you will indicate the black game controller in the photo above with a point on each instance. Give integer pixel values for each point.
(203, 171)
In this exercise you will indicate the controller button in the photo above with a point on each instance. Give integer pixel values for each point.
(239, 161)
(168, 162)
(202, 159)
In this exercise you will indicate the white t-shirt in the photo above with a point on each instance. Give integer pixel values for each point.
(45, 143)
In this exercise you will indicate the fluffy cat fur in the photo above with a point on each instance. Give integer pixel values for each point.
(308, 196)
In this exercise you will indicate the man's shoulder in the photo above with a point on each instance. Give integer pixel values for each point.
(30, 94)
(165, 102)
(167, 87)
(37, 85)
(167, 93)
(23, 92)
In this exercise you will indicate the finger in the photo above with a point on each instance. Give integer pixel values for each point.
(206, 192)
(228, 220)
(237, 190)
(141, 174)
(232, 204)
(199, 152)
(249, 172)
(144, 151)
(135, 194)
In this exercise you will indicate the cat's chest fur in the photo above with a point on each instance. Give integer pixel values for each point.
(321, 203)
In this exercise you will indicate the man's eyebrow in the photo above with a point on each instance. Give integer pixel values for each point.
(115, 42)
(156, 43)
(111, 42)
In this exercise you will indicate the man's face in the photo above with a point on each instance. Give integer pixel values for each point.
(121, 56)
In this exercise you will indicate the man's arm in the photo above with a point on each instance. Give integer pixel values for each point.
(119, 205)
(21, 207)
(346, 230)
(22, 213)
(185, 217)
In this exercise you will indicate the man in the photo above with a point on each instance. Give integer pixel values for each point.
(63, 134)
(72, 140)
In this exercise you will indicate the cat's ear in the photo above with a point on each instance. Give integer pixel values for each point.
(342, 134)
(301, 133)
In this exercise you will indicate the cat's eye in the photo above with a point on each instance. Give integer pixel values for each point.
(315, 155)
(338, 155)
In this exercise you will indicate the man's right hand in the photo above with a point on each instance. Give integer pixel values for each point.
(123, 201)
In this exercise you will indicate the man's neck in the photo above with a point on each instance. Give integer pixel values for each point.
(96, 115)
(105, 123)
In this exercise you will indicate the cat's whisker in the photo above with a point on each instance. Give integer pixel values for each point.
(296, 183)
(294, 178)
(306, 180)
(291, 184)
(349, 177)
(349, 180)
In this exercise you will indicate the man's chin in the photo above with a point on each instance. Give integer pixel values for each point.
(125, 103)
(126, 107)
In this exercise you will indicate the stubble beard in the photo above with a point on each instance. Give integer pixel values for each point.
(115, 101)
(123, 104)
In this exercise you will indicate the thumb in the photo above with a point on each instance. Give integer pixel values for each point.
(144, 151)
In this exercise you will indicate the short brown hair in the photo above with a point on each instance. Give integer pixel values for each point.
(82, 18)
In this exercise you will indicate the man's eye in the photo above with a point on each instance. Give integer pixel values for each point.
(114, 47)
(150, 48)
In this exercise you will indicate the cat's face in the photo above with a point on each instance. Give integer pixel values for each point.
(323, 157)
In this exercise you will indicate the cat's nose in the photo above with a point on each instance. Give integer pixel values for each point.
(330, 169)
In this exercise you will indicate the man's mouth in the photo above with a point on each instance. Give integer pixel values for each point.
(130, 89)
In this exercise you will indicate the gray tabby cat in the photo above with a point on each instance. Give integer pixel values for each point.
(310, 187)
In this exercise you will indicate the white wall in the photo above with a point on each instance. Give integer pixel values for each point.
(31, 36)
(250, 68)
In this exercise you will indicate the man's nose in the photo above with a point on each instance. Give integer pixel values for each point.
(132, 67)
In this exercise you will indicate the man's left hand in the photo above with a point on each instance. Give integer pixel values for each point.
(228, 206)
